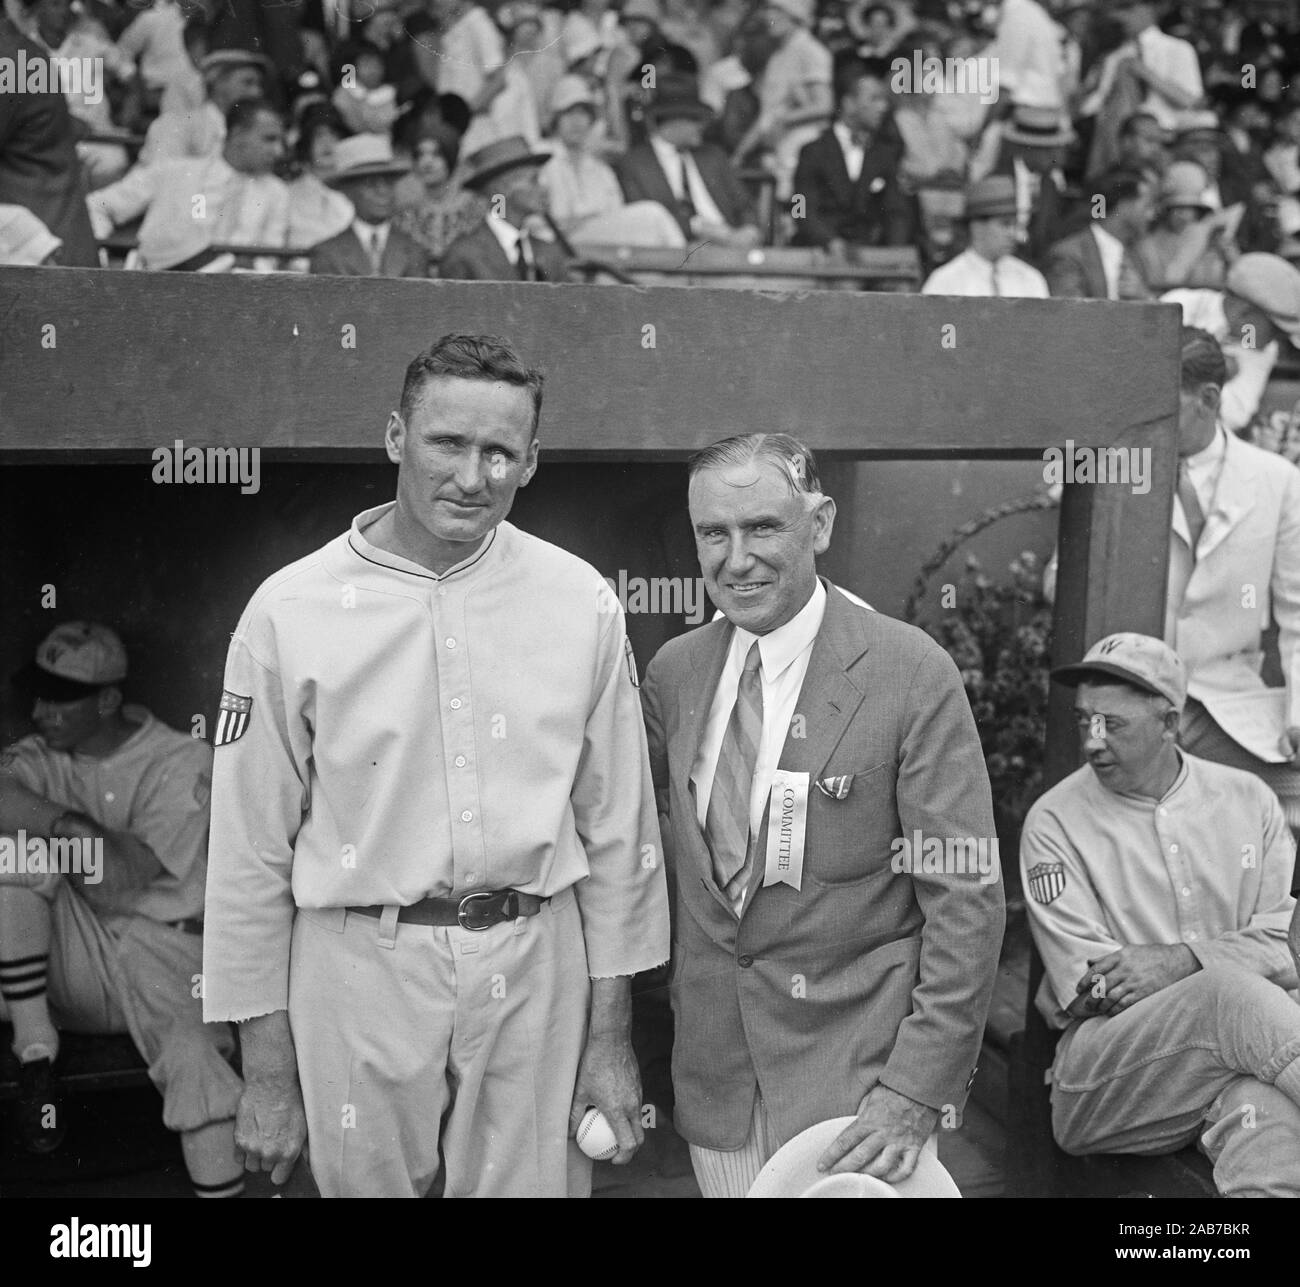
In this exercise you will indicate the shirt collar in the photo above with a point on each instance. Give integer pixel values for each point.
(780, 647)
(1212, 454)
(369, 228)
(373, 553)
(1106, 239)
(506, 233)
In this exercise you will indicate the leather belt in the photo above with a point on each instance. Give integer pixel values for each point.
(191, 926)
(472, 911)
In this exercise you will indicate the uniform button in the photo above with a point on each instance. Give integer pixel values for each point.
(745, 962)
(455, 703)
(1186, 892)
(467, 816)
(451, 643)
(1164, 813)
(1191, 937)
(109, 796)
(471, 878)
(460, 761)
(1173, 849)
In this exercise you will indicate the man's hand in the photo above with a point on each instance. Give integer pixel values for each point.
(270, 1125)
(1134, 972)
(609, 1079)
(885, 1140)
(608, 1076)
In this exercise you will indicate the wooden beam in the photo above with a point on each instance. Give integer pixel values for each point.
(136, 360)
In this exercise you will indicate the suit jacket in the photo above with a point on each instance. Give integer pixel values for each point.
(1251, 538)
(1048, 213)
(1074, 269)
(345, 256)
(642, 178)
(874, 211)
(867, 973)
(477, 256)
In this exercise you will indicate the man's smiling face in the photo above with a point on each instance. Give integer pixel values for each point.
(757, 540)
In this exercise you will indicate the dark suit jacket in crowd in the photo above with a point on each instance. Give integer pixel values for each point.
(868, 972)
(874, 211)
(345, 256)
(476, 256)
(39, 168)
(643, 179)
(1047, 217)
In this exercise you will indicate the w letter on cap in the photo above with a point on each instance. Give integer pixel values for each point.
(232, 718)
(1047, 881)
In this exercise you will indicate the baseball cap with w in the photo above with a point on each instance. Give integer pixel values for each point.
(1137, 659)
(73, 661)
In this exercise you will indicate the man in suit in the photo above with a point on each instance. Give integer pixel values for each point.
(503, 246)
(366, 172)
(694, 181)
(847, 180)
(1095, 263)
(840, 958)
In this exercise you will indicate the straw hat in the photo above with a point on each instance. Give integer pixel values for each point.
(364, 155)
(792, 1172)
(1185, 183)
(505, 154)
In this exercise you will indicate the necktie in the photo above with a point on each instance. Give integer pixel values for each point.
(993, 272)
(726, 824)
(376, 250)
(524, 260)
(688, 206)
(1191, 504)
(1131, 285)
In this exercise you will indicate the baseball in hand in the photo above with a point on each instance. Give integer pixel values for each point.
(596, 1136)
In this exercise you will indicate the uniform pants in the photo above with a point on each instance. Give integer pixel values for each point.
(416, 1039)
(1215, 1055)
(112, 973)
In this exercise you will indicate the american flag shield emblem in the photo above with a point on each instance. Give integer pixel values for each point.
(232, 718)
(837, 788)
(1046, 881)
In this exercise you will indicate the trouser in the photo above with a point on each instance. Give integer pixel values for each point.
(117, 973)
(413, 1039)
(1215, 1055)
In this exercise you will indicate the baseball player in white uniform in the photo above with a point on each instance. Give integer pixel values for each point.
(103, 852)
(1159, 900)
(435, 860)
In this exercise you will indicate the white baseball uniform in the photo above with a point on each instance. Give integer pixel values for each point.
(389, 735)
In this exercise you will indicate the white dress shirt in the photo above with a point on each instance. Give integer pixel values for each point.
(366, 234)
(853, 152)
(785, 652)
(679, 168)
(1169, 58)
(1205, 467)
(971, 274)
(1112, 257)
(509, 236)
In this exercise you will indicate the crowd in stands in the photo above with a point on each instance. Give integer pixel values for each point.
(1068, 148)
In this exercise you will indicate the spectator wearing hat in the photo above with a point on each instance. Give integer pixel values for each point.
(109, 938)
(243, 203)
(583, 193)
(1167, 967)
(1097, 262)
(1256, 312)
(694, 181)
(1030, 146)
(366, 172)
(39, 169)
(1141, 145)
(848, 178)
(445, 208)
(875, 27)
(504, 245)
(231, 76)
(317, 211)
(795, 91)
(987, 266)
(24, 240)
(1191, 243)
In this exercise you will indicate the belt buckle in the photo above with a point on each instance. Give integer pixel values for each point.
(463, 911)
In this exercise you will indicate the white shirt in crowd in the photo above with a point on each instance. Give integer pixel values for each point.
(1111, 250)
(373, 236)
(971, 274)
(1204, 469)
(673, 164)
(1169, 58)
(853, 152)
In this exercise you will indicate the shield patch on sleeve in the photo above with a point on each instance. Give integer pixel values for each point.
(232, 718)
(1046, 881)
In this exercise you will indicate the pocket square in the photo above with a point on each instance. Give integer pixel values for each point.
(836, 788)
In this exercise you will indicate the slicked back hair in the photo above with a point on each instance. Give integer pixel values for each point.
(1203, 361)
(795, 461)
(470, 357)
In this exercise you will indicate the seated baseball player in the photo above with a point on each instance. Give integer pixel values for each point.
(103, 856)
(1159, 900)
